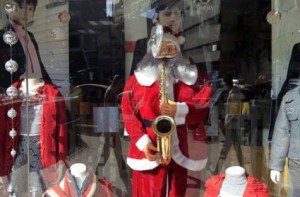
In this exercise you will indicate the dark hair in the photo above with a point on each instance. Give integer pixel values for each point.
(161, 5)
(28, 2)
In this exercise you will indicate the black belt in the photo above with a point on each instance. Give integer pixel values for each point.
(147, 123)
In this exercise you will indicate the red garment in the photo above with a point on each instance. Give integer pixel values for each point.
(53, 134)
(254, 187)
(94, 188)
(140, 102)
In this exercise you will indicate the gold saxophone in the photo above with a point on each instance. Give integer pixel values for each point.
(164, 126)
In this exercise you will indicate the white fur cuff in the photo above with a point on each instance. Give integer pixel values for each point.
(181, 112)
(142, 142)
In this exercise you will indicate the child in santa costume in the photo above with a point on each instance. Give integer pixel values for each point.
(141, 105)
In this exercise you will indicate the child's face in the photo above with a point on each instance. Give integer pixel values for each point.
(19, 16)
(169, 18)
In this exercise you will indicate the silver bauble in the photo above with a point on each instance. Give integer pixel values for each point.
(12, 133)
(11, 66)
(10, 6)
(10, 37)
(12, 91)
(12, 113)
(13, 152)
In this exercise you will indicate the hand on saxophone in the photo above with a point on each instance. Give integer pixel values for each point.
(168, 108)
(150, 152)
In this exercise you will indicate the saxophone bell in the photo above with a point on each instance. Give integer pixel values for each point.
(164, 126)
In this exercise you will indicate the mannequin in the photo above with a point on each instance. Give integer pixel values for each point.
(79, 182)
(235, 183)
(34, 83)
(30, 117)
(41, 123)
(275, 176)
(79, 172)
(285, 141)
(17, 21)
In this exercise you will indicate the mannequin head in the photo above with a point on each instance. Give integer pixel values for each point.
(24, 13)
(169, 14)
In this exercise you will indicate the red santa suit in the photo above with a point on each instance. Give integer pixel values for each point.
(53, 130)
(140, 105)
(253, 188)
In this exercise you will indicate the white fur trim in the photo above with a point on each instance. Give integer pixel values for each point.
(147, 76)
(94, 186)
(179, 120)
(186, 74)
(142, 164)
(142, 142)
(179, 158)
(61, 184)
(182, 110)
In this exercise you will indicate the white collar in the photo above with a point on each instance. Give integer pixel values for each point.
(147, 75)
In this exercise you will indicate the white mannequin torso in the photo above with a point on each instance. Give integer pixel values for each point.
(79, 171)
(235, 182)
(31, 114)
(33, 84)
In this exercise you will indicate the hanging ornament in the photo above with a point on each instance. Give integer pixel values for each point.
(11, 66)
(12, 91)
(10, 6)
(10, 37)
(64, 17)
(12, 133)
(12, 113)
(13, 152)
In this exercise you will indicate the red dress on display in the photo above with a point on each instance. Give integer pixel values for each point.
(53, 130)
(254, 187)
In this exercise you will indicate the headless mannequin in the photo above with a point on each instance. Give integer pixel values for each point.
(234, 183)
(29, 87)
(79, 171)
(34, 82)
(275, 176)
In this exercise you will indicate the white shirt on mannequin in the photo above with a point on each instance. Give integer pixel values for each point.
(235, 182)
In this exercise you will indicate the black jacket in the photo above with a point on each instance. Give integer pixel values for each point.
(19, 56)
